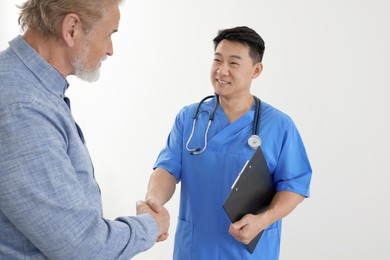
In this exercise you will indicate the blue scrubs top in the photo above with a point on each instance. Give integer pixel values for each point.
(206, 179)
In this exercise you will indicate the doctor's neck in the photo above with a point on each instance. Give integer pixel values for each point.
(234, 108)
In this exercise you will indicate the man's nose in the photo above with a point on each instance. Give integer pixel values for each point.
(110, 49)
(223, 69)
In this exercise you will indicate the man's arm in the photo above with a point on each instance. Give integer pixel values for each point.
(283, 203)
(161, 187)
(48, 193)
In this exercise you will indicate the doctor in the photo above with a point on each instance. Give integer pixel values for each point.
(207, 154)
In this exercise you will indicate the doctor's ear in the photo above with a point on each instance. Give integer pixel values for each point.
(258, 68)
(71, 29)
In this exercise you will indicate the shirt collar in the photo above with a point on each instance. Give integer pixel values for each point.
(50, 78)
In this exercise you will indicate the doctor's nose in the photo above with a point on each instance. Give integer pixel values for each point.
(223, 70)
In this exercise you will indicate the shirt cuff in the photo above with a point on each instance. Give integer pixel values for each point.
(152, 229)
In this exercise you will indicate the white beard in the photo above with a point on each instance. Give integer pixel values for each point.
(81, 70)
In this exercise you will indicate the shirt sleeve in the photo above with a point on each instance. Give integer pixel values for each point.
(171, 155)
(293, 171)
(44, 200)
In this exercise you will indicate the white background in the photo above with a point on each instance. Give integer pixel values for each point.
(326, 64)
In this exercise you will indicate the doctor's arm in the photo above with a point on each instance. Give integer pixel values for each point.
(283, 203)
(161, 187)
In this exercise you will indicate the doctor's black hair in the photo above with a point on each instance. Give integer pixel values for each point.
(246, 36)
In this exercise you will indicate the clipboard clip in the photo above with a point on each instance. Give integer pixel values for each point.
(234, 183)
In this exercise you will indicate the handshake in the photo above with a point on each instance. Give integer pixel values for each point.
(159, 213)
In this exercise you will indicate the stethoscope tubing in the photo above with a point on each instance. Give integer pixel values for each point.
(255, 129)
(256, 120)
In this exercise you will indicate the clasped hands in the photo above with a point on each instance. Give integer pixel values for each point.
(248, 227)
(159, 213)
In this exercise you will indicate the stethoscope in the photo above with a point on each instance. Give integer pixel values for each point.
(254, 140)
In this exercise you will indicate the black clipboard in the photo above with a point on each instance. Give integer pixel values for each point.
(251, 193)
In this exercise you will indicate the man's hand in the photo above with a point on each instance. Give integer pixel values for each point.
(160, 214)
(250, 225)
(156, 206)
(247, 228)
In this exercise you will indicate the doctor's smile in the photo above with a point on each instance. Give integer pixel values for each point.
(222, 82)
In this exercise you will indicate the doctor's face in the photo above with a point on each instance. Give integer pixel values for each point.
(96, 46)
(232, 70)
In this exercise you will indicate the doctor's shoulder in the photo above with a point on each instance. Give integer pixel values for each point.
(275, 118)
(188, 111)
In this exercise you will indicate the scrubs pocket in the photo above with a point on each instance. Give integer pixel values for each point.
(268, 246)
(183, 240)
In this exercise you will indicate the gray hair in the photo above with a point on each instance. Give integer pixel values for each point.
(47, 15)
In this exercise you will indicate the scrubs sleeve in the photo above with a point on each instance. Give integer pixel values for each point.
(170, 156)
(293, 171)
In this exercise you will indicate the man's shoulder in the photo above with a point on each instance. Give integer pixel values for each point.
(274, 112)
(17, 85)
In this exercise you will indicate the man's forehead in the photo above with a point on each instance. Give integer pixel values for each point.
(233, 49)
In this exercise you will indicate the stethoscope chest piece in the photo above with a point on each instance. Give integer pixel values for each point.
(254, 141)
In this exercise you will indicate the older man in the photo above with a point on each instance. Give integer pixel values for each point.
(50, 203)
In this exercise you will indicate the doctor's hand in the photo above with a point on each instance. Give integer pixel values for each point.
(247, 228)
(157, 207)
(160, 215)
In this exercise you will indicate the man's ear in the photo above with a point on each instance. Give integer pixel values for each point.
(71, 29)
(258, 68)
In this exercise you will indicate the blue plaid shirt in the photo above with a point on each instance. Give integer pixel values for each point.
(50, 203)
